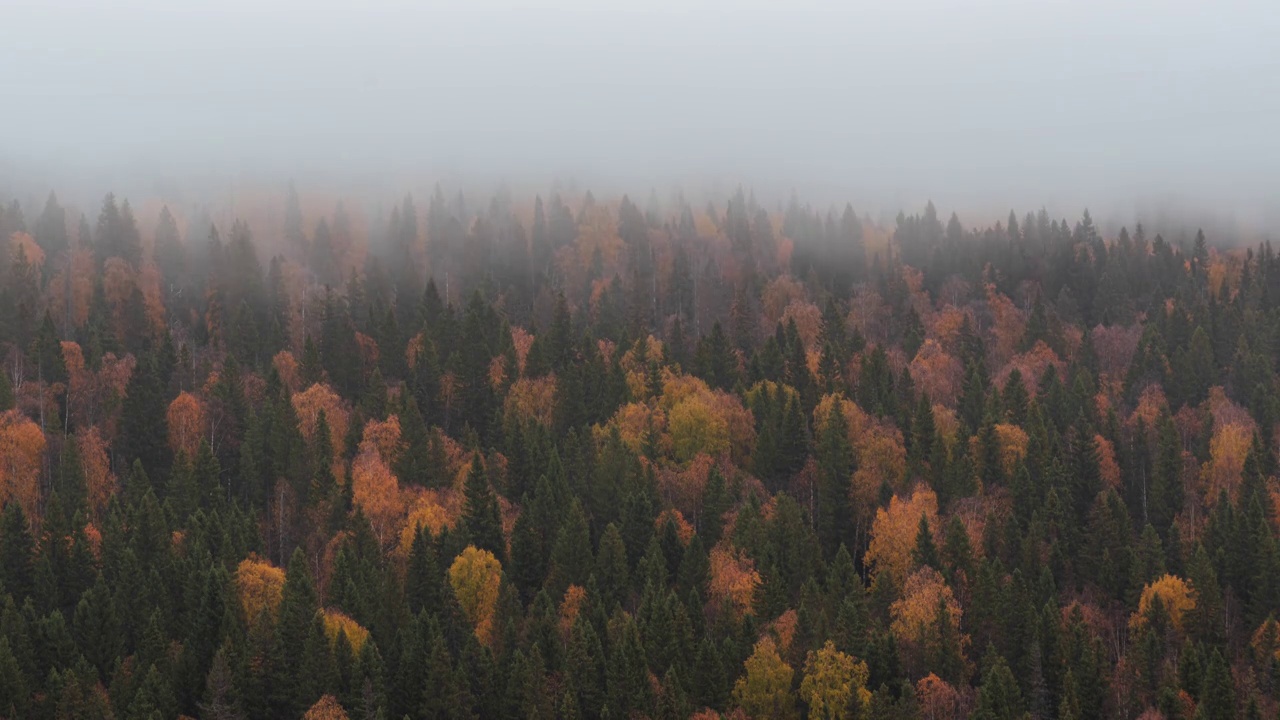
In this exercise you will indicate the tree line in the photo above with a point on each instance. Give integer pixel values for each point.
(592, 458)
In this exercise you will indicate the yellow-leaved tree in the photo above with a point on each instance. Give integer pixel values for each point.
(1175, 594)
(476, 576)
(260, 585)
(893, 534)
(764, 690)
(336, 621)
(832, 680)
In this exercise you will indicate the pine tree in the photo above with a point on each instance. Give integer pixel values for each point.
(142, 424)
(17, 553)
(571, 558)
(297, 613)
(6, 392)
(925, 551)
(999, 697)
(1217, 699)
(480, 517)
(835, 465)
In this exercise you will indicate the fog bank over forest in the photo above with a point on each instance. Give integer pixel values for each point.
(1140, 110)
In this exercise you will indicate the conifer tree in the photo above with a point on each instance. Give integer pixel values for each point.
(480, 517)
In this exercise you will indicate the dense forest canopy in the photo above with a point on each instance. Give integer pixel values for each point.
(568, 456)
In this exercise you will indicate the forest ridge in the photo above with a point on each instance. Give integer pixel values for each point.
(594, 458)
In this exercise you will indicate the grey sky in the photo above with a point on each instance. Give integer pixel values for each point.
(976, 104)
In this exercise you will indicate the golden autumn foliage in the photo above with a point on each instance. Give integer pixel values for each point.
(1108, 467)
(260, 586)
(1032, 364)
(696, 428)
(831, 680)
(1151, 403)
(764, 690)
(881, 458)
(1227, 452)
(429, 510)
(375, 489)
(382, 437)
(476, 576)
(309, 403)
(326, 708)
(597, 233)
(21, 452)
(937, 373)
(1012, 442)
(522, 340)
(288, 369)
(701, 420)
(188, 423)
(635, 421)
(100, 482)
(944, 327)
(734, 579)
(808, 319)
(93, 397)
(570, 607)
(784, 630)
(684, 531)
(914, 613)
(947, 423)
(336, 621)
(778, 294)
(533, 399)
(893, 534)
(1008, 325)
(878, 449)
(1175, 594)
(1226, 411)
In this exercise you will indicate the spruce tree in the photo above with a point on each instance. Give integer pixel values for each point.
(835, 468)
(480, 517)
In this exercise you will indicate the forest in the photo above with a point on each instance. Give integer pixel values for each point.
(559, 456)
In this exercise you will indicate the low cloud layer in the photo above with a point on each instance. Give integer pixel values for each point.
(981, 105)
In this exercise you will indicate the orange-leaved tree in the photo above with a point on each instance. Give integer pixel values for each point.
(893, 534)
(326, 708)
(188, 423)
(733, 580)
(21, 451)
(1175, 595)
(100, 482)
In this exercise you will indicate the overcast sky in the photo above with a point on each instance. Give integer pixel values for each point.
(1015, 103)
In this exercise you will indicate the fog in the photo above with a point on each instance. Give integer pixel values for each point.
(978, 105)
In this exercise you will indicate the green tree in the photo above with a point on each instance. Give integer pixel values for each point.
(480, 517)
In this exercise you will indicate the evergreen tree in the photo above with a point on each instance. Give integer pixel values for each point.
(480, 518)
(835, 464)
